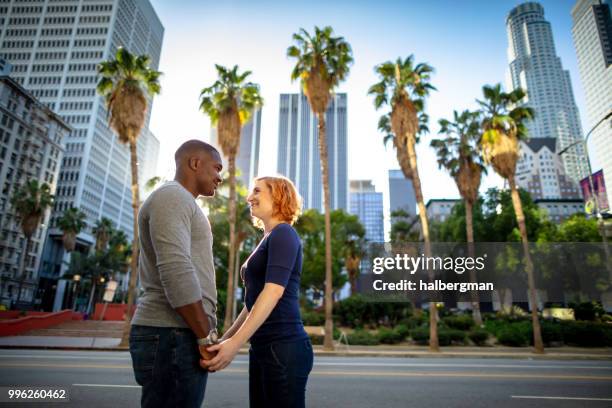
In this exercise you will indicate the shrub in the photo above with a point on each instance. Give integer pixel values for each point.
(461, 322)
(402, 331)
(478, 336)
(415, 321)
(454, 336)
(389, 336)
(362, 337)
(587, 334)
(513, 335)
(551, 332)
(316, 338)
(420, 335)
(312, 318)
(588, 311)
(356, 311)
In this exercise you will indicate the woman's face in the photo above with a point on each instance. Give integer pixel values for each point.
(260, 201)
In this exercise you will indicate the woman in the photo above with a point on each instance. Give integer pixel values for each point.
(280, 357)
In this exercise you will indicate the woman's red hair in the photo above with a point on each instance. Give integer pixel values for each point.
(286, 200)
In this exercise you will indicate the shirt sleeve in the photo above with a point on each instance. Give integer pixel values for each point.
(170, 230)
(283, 247)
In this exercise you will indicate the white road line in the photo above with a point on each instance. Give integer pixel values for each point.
(106, 385)
(561, 398)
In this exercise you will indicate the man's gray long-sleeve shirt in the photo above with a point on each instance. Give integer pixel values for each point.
(176, 262)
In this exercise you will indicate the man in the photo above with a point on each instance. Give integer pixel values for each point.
(176, 316)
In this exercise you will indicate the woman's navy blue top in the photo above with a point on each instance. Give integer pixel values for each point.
(277, 259)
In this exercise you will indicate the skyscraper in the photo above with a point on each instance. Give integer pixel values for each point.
(54, 49)
(247, 160)
(298, 149)
(401, 193)
(367, 204)
(592, 32)
(536, 68)
(541, 172)
(31, 148)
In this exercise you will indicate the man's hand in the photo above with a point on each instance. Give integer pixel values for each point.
(206, 356)
(225, 353)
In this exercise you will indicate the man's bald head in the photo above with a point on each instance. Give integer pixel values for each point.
(193, 148)
(198, 167)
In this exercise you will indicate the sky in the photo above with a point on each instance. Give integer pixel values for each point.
(464, 40)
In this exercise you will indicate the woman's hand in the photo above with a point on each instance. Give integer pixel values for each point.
(226, 351)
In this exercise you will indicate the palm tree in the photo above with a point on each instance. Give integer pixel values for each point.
(125, 82)
(458, 153)
(30, 201)
(71, 223)
(403, 86)
(353, 253)
(322, 63)
(229, 102)
(102, 231)
(503, 127)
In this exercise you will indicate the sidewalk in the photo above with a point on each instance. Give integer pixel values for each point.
(407, 350)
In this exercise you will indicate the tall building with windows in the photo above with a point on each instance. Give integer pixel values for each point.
(367, 204)
(54, 48)
(401, 193)
(31, 139)
(247, 160)
(536, 68)
(540, 171)
(298, 149)
(592, 33)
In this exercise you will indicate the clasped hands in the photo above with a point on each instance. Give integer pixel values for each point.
(218, 356)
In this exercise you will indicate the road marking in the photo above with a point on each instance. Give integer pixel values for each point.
(561, 398)
(357, 374)
(107, 385)
(347, 364)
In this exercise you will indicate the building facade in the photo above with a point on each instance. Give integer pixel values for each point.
(401, 193)
(247, 160)
(31, 138)
(540, 171)
(54, 48)
(536, 68)
(592, 33)
(559, 210)
(439, 210)
(367, 204)
(298, 149)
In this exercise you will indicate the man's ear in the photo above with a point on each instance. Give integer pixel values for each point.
(194, 163)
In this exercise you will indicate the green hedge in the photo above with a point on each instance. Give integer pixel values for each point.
(356, 312)
(460, 322)
(478, 336)
(363, 338)
(446, 337)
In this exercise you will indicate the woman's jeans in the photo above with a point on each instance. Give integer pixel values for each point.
(166, 364)
(278, 373)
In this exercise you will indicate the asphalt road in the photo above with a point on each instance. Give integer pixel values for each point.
(104, 379)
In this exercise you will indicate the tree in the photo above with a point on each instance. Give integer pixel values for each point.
(503, 127)
(102, 231)
(346, 232)
(403, 87)
(71, 223)
(323, 62)
(458, 153)
(30, 201)
(229, 102)
(125, 82)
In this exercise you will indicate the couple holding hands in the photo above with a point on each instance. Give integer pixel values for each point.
(173, 341)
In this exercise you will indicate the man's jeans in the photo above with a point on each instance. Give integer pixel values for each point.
(278, 373)
(166, 364)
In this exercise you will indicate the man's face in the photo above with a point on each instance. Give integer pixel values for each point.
(208, 173)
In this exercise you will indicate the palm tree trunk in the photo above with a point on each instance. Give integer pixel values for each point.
(434, 344)
(328, 343)
(469, 229)
(520, 219)
(22, 268)
(125, 337)
(232, 242)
